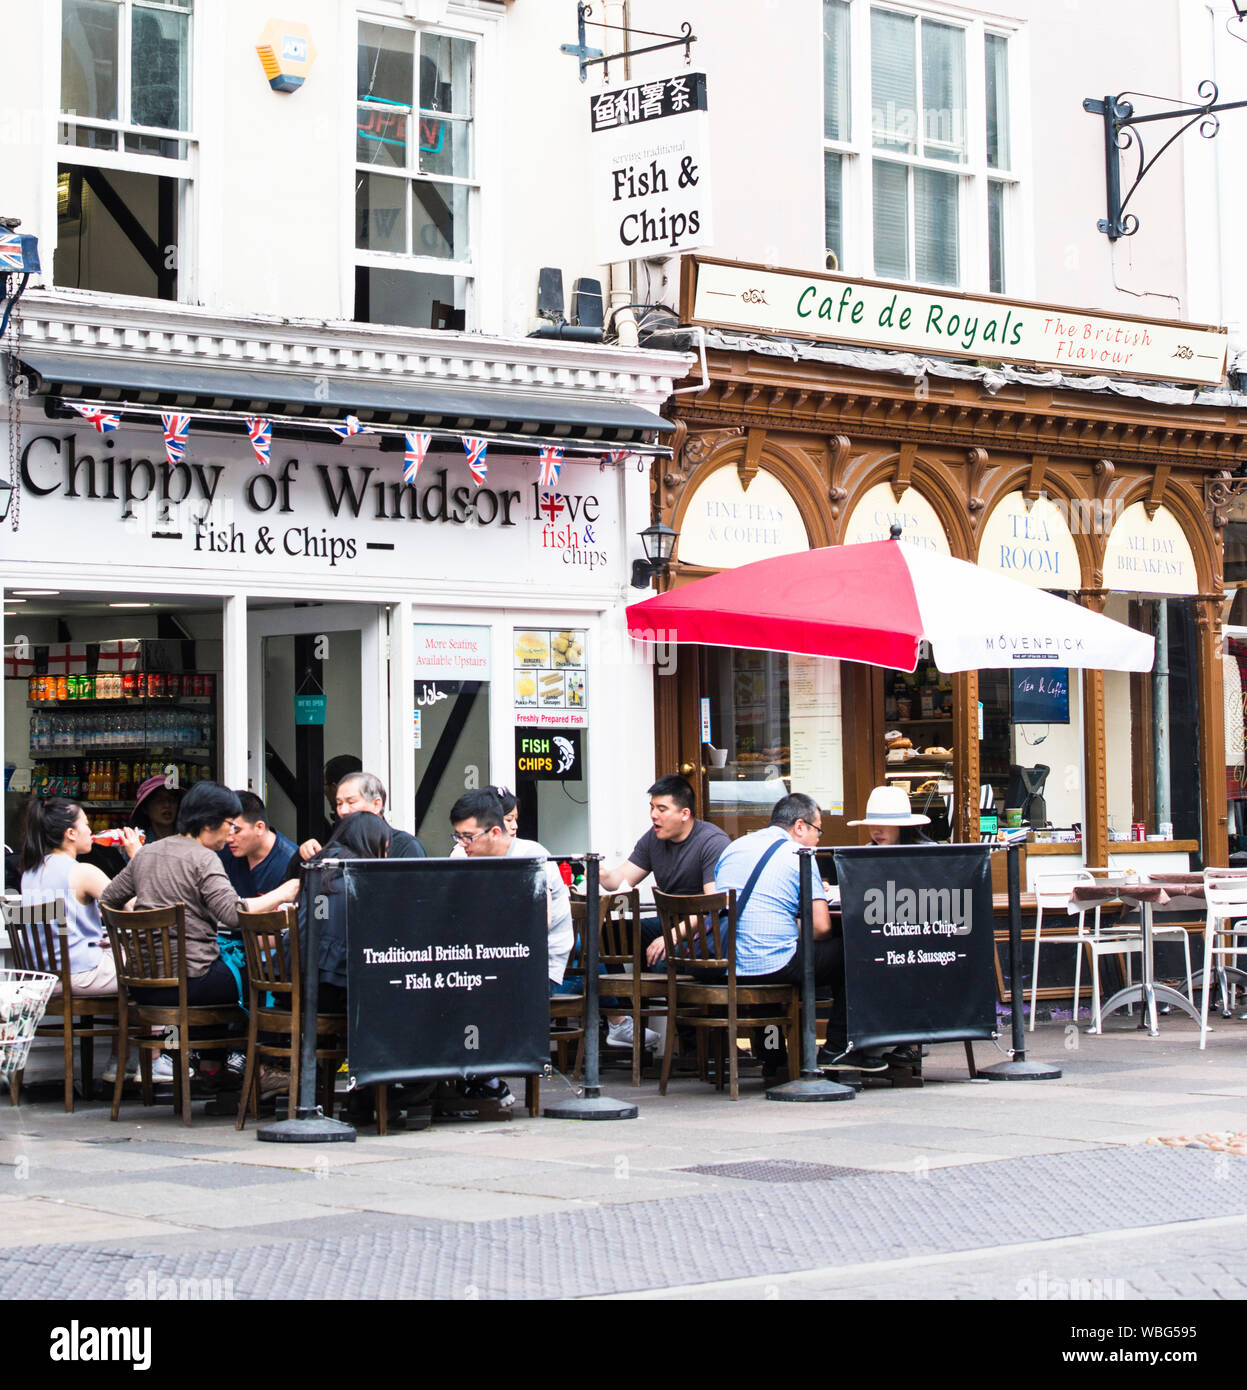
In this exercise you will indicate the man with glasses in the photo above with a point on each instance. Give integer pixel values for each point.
(768, 935)
(361, 791)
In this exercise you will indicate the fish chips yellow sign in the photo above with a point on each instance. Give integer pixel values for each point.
(286, 53)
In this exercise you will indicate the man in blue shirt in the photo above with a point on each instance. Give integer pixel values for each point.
(768, 941)
(257, 857)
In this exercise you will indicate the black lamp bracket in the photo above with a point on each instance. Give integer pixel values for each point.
(1120, 134)
(591, 57)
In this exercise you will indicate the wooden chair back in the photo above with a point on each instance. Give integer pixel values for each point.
(37, 933)
(270, 942)
(621, 930)
(699, 931)
(149, 945)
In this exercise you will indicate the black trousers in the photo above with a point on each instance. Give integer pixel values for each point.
(215, 986)
(828, 973)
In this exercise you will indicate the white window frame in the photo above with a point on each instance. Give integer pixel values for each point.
(858, 154)
(482, 297)
(185, 170)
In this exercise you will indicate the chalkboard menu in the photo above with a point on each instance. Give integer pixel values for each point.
(1041, 695)
(919, 943)
(446, 967)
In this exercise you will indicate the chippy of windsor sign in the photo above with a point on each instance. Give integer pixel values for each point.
(868, 313)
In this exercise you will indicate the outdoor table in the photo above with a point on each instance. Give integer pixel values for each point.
(1173, 892)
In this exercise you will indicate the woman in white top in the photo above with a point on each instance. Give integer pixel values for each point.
(56, 834)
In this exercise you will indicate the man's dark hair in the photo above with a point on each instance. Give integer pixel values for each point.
(506, 798)
(337, 768)
(678, 790)
(206, 805)
(253, 808)
(482, 806)
(788, 810)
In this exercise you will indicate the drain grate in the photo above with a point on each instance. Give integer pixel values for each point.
(775, 1170)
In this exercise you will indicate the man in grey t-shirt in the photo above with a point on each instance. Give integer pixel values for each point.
(678, 849)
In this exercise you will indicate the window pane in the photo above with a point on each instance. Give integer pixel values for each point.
(439, 218)
(380, 213)
(89, 58)
(935, 227)
(943, 92)
(381, 134)
(996, 237)
(406, 297)
(445, 146)
(160, 69)
(997, 102)
(446, 70)
(385, 65)
(893, 99)
(115, 232)
(836, 88)
(833, 207)
(891, 215)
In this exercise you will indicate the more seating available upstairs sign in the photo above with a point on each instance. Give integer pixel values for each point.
(836, 309)
(650, 171)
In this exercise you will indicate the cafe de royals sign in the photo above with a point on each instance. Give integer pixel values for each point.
(836, 309)
(650, 171)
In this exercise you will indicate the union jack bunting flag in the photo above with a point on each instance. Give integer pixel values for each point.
(617, 455)
(413, 457)
(11, 257)
(350, 425)
(260, 432)
(475, 450)
(176, 429)
(93, 415)
(551, 467)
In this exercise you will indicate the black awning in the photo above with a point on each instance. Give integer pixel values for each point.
(307, 398)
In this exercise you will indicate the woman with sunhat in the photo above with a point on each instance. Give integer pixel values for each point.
(891, 820)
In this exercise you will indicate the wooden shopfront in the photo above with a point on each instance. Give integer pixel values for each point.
(1106, 494)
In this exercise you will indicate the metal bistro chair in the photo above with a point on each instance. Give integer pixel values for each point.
(277, 970)
(1054, 895)
(1160, 927)
(699, 932)
(35, 935)
(151, 954)
(1225, 936)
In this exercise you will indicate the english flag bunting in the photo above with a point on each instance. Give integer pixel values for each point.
(551, 467)
(260, 432)
(417, 447)
(475, 450)
(350, 425)
(93, 415)
(176, 430)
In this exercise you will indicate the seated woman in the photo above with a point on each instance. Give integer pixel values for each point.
(361, 835)
(57, 833)
(184, 868)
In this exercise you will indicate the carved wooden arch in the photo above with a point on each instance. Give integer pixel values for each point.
(1014, 475)
(1186, 503)
(933, 480)
(795, 472)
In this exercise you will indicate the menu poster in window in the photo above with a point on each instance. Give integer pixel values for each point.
(551, 684)
(816, 733)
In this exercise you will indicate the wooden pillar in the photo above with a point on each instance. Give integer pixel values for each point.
(1095, 780)
(1211, 725)
(965, 826)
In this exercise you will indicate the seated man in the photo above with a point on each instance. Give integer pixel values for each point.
(478, 822)
(257, 856)
(768, 938)
(361, 791)
(678, 849)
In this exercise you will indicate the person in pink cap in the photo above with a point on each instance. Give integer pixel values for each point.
(156, 808)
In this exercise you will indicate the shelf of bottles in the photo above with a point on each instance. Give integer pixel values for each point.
(98, 738)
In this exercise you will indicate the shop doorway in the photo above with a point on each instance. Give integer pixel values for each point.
(316, 691)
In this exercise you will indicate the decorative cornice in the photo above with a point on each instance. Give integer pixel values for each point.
(111, 327)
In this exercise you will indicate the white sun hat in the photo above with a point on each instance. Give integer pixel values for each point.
(890, 806)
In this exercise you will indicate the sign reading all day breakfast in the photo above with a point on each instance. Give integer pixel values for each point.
(650, 172)
(1149, 556)
(837, 309)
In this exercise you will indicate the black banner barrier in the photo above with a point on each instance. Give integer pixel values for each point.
(447, 966)
(919, 943)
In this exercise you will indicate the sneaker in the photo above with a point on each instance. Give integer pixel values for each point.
(849, 1061)
(162, 1068)
(904, 1056)
(236, 1062)
(621, 1035)
(273, 1080)
(493, 1092)
(110, 1069)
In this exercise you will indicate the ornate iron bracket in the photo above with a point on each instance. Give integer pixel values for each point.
(1119, 135)
(590, 57)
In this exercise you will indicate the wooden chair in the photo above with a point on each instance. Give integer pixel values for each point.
(276, 969)
(36, 946)
(151, 954)
(628, 981)
(699, 932)
(567, 1011)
